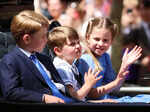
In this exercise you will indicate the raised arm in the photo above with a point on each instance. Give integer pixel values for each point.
(128, 59)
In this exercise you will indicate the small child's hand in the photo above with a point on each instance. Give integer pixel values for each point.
(132, 56)
(91, 77)
(128, 59)
(52, 99)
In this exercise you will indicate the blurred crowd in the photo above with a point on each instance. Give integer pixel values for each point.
(73, 12)
(135, 22)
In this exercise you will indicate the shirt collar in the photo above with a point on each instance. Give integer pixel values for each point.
(59, 61)
(28, 54)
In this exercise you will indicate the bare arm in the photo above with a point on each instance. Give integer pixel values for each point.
(101, 90)
(127, 60)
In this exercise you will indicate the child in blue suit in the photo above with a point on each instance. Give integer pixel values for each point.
(20, 80)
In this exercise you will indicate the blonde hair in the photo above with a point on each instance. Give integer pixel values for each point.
(27, 22)
(101, 22)
(98, 23)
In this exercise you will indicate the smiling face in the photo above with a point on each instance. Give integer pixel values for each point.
(99, 41)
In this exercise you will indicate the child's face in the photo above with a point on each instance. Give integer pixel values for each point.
(71, 50)
(99, 41)
(38, 40)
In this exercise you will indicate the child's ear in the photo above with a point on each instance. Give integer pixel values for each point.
(57, 51)
(27, 38)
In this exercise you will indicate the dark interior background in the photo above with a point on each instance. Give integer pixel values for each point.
(9, 8)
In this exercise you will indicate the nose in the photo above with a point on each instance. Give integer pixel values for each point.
(100, 43)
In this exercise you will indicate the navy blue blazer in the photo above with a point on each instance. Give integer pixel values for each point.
(20, 80)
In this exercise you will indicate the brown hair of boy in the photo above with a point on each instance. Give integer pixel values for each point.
(27, 22)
